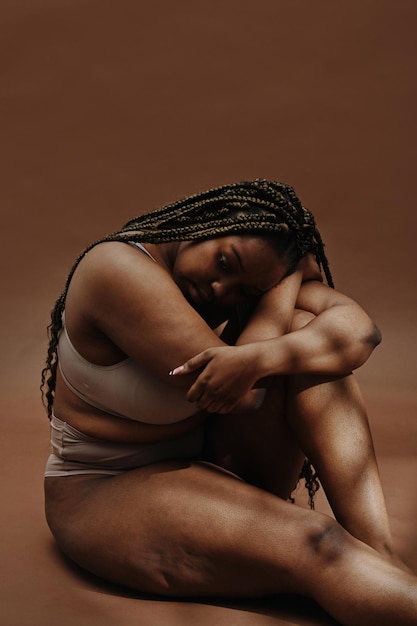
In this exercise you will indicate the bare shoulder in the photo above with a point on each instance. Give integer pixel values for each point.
(115, 263)
(109, 259)
(112, 277)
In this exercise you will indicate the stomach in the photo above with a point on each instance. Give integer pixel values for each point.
(94, 422)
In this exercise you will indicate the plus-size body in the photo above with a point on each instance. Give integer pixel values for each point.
(182, 489)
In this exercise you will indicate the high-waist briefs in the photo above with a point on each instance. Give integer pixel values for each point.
(73, 452)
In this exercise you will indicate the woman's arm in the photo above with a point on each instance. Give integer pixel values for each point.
(274, 313)
(339, 338)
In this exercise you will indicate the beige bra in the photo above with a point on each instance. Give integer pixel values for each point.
(125, 389)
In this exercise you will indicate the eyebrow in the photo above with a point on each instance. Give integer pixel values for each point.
(237, 255)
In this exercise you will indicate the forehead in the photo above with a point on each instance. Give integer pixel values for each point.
(254, 258)
(255, 251)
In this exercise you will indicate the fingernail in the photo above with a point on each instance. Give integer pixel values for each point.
(177, 370)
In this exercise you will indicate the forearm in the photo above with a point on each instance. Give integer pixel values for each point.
(274, 313)
(273, 317)
(335, 342)
(330, 335)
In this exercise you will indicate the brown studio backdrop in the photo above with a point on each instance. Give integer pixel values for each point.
(111, 109)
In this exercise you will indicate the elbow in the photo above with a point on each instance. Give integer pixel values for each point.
(375, 336)
(361, 348)
(367, 344)
(367, 333)
(372, 336)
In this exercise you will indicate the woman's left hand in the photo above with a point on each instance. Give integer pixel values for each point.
(228, 374)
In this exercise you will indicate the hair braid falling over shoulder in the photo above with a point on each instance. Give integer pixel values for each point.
(257, 207)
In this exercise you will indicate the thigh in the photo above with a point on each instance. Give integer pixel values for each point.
(259, 446)
(179, 529)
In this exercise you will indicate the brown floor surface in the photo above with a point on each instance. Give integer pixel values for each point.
(109, 109)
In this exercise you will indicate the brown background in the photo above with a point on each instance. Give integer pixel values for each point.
(109, 109)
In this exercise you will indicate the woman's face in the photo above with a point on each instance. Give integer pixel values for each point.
(226, 270)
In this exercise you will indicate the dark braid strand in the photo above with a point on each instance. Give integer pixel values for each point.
(311, 481)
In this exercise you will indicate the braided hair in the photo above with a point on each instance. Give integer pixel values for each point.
(257, 207)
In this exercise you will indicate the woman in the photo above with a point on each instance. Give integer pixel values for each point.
(196, 359)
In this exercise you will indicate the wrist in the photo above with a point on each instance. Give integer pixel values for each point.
(274, 357)
(264, 358)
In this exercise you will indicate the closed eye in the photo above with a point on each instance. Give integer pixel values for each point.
(223, 263)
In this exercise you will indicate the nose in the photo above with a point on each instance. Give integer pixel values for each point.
(217, 288)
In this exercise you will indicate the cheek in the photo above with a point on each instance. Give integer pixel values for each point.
(187, 265)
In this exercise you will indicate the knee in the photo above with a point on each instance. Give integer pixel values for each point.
(300, 319)
(326, 541)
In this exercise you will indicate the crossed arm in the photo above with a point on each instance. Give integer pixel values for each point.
(134, 303)
(299, 327)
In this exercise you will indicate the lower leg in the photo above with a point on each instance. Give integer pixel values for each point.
(330, 422)
(359, 586)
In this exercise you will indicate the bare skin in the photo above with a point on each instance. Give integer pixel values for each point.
(191, 528)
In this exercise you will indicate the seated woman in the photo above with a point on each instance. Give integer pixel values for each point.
(196, 360)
